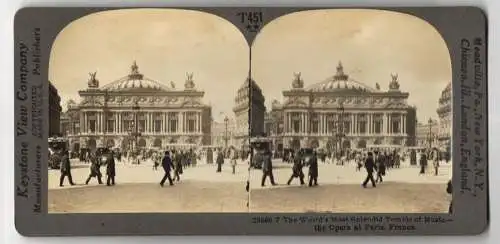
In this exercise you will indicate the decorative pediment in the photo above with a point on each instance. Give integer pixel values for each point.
(295, 101)
(91, 101)
(170, 100)
(191, 102)
(396, 104)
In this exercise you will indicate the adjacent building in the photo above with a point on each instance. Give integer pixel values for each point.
(249, 111)
(444, 112)
(427, 133)
(135, 111)
(55, 110)
(340, 112)
(223, 133)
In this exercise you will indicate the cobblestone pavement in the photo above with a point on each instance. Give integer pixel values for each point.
(137, 189)
(201, 189)
(339, 190)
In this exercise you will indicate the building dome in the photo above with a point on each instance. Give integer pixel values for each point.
(340, 82)
(135, 81)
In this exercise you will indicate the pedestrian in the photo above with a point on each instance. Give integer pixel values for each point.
(413, 157)
(423, 163)
(95, 169)
(210, 156)
(167, 165)
(220, 161)
(449, 190)
(233, 157)
(65, 166)
(267, 169)
(194, 158)
(313, 170)
(110, 169)
(436, 162)
(156, 159)
(370, 167)
(297, 170)
(178, 167)
(359, 161)
(381, 167)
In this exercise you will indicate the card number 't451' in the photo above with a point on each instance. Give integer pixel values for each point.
(252, 20)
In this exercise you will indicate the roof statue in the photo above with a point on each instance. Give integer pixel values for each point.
(340, 75)
(189, 85)
(394, 85)
(377, 86)
(297, 83)
(93, 82)
(134, 72)
(172, 84)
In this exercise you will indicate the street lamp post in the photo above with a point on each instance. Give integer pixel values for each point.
(134, 130)
(430, 132)
(226, 120)
(340, 127)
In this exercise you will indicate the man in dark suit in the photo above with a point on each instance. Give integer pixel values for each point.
(167, 165)
(219, 160)
(297, 170)
(95, 169)
(110, 168)
(65, 169)
(370, 167)
(267, 168)
(449, 190)
(313, 170)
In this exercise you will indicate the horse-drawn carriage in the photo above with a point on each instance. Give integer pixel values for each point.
(57, 148)
(259, 146)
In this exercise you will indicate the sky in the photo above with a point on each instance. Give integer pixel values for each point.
(371, 44)
(165, 44)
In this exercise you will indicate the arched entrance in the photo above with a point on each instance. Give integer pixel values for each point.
(110, 143)
(92, 145)
(346, 144)
(141, 143)
(173, 141)
(362, 144)
(157, 142)
(295, 144)
(190, 140)
(330, 145)
(76, 147)
(396, 141)
(314, 143)
(126, 144)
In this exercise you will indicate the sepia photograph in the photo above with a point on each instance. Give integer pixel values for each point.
(351, 113)
(149, 113)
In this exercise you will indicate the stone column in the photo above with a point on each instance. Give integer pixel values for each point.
(390, 124)
(307, 123)
(200, 122)
(302, 122)
(82, 122)
(98, 122)
(180, 122)
(402, 130)
(385, 125)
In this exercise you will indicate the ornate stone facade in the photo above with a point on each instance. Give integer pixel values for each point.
(342, 111)
(164, 116)
(54, 111)
(427, 134)
(222, 131)
(445, 119)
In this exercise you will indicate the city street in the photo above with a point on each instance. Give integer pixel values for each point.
(201, 189)
(137, 189)
(340, 190)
